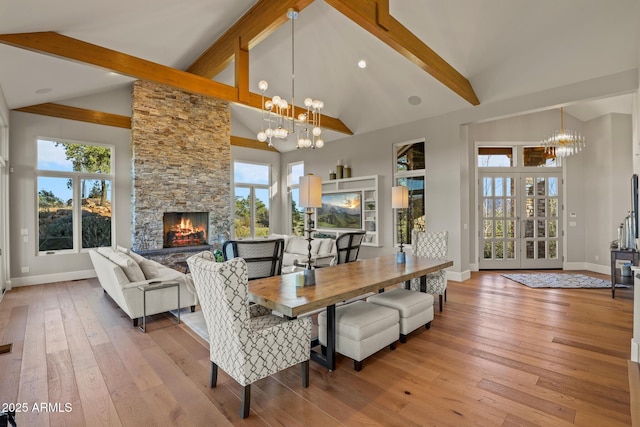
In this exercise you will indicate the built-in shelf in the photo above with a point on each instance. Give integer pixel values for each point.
(367, 189)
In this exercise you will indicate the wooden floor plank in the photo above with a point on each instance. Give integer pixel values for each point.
(187, 393)
(55, 337)
(131, 407)
(34, 388)
(97, 403)
(63, 390)
(140, 371)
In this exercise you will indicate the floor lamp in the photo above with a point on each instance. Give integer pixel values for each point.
(400, 200)
(310, 197)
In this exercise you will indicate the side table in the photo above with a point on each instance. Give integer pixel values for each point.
(616, 275)
(154, 286)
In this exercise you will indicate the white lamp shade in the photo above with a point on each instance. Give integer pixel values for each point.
(399, 197)
(311, 191)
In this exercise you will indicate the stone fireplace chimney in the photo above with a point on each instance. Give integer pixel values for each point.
(181, 160)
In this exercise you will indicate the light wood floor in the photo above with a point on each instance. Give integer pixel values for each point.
(500, 354)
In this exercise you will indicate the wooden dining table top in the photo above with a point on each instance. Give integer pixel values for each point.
(338, 283)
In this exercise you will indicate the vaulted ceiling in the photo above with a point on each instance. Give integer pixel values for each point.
(446, 53)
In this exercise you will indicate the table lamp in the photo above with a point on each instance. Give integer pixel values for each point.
(310, 197)
(400, 200)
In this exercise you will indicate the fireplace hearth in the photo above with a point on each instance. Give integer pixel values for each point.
(183, 229)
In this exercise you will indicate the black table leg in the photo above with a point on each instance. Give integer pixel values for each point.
(328, 360)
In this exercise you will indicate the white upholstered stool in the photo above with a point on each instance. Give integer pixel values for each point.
(361, 330)
(415, 308)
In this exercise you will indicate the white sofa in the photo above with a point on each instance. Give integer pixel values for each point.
(296, 250)
(120, 272)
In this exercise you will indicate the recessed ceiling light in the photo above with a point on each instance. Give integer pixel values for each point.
(44, 90)
(415, 100)
(362, 63)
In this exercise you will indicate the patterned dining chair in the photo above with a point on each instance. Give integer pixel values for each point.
(264, 256)
(431, 245)
(245, 341)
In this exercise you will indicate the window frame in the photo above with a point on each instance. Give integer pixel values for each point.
(517, 149)
(291, 187)
(398, 175)
(76, 196)
(252, 205)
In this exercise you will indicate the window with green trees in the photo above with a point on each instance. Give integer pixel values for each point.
(74, 195)
(296, 214)
(252, 200)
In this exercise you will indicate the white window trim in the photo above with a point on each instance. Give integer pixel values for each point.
(76, 210)
(290, 188)
(251, 188)
(407, 174)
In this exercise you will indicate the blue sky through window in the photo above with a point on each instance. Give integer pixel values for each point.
(250, 173)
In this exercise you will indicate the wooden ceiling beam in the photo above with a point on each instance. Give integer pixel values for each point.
(257, 24)
(373, 16)
(78, 114)
(251, 143)
(64, 47)
(57, 45)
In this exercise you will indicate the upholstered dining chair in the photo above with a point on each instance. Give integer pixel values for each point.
(348, 246)
(245, 340)
(431, 245)
(264, 257)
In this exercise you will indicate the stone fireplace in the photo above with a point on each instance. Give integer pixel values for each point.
(181, 159)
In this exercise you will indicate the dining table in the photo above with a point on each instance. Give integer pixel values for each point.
(333, 285)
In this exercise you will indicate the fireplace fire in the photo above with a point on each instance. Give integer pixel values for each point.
(185, 229)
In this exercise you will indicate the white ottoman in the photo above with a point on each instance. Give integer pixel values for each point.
(415, 308)
(361, 330)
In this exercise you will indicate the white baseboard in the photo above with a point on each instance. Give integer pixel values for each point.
(50, 278)
(474, 267)
(458, 276)
(635, 350)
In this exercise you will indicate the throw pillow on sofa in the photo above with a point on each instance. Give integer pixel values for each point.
(298, 245)
(131, 268)
(148, 267)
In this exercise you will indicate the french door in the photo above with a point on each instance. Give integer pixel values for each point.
(520, 220)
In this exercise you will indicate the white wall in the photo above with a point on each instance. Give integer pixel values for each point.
(25, 129)
(5, 277)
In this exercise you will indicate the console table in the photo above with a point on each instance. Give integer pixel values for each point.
(616, 273)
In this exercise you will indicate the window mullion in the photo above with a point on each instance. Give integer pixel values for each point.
(77, 214)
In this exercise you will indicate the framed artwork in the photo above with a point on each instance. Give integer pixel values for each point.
(340, 211)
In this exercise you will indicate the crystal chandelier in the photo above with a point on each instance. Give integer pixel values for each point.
(278, 116)
(563, 142)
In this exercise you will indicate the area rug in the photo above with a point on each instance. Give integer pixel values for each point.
(195, 321)
(559, 280)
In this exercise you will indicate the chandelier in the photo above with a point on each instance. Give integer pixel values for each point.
(563, 142)
(278, 116)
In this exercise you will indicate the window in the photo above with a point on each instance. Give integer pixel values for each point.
(536, 157)
(495, 157)
(296, 212)
(503, 157)
(409, 171)
(252, 199)
(74, 195)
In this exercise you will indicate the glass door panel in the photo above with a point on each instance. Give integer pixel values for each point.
(520, 220)
(499, 220)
